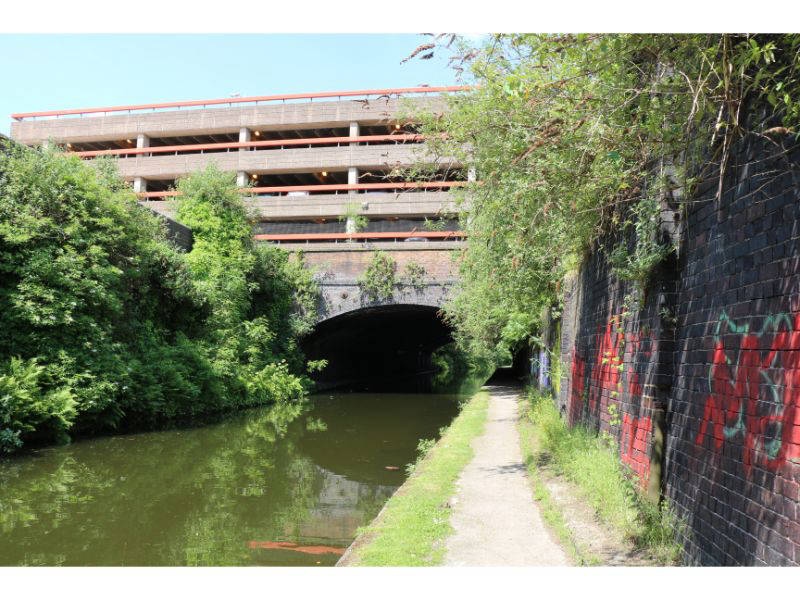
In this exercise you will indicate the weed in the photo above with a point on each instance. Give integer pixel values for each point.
(591, 461)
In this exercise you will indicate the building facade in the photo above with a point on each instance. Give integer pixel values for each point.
(317, 168)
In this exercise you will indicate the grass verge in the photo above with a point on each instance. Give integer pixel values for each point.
(592, 462)
(411, 528)
(550, 511)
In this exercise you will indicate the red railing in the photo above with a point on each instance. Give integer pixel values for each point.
(249, 99)
(377, 235)
(252, 144)
(334, 187)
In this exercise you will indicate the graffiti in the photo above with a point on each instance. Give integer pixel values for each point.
(754, 388)
(578, 384)
(607, 362)
(634, 445)
(594, 391)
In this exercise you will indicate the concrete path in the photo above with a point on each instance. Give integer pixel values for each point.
(496, 520)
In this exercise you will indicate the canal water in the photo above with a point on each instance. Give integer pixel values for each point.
(285, 485)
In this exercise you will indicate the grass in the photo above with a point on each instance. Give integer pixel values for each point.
(592, 463)
(411, 529)
(550, 511)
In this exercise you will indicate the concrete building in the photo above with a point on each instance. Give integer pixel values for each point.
(307, 160)
(320, 172)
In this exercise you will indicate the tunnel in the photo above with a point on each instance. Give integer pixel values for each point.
(379, 348)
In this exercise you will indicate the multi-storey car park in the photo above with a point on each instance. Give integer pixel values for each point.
(305, 159)
(307, 163)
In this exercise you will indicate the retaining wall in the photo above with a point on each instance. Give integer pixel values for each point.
(700, 379)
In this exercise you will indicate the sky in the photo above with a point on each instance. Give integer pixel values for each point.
(49, 72)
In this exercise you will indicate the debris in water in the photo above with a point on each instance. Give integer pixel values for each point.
(296, 548)
(391, 468)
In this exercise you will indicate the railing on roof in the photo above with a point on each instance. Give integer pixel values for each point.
(250, 99)
(332, 187)
(375, 235)
(252, 144)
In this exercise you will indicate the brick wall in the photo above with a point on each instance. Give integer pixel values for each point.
(715, 348)
(349, 265)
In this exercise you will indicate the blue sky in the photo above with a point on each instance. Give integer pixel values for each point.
(48, 72)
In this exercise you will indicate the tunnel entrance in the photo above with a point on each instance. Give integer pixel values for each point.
(379, 349)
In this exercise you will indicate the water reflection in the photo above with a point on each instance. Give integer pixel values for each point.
(286, 485)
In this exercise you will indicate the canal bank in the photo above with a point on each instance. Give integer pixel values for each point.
(410, 528)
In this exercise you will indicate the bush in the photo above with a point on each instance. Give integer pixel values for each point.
(378, 280)
(25, 407)
(106, 325)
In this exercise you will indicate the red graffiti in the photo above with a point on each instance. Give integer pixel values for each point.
(606, 379)
(634, 445)
(635, 387)
(578, 386)
(735, 405)
(613, 347)
(605, 373)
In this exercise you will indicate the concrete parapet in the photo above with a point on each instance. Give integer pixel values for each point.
(330, 206)
(171, 123)
(288, 160)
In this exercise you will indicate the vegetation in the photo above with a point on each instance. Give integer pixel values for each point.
(378, 279)
(106, 325)
(638, 266)
(415, 521)
(415, 275)
(457, 370)
(551, 512)
(576, 137)
(592, 463)
(352, 214)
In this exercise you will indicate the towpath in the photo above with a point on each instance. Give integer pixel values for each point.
(496, 521)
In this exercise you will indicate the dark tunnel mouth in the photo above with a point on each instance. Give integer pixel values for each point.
(386, 348)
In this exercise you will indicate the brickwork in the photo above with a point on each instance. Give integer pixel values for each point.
(616, 351)
(733, 449)
(338, 269)
(716, 344)
(348, 265)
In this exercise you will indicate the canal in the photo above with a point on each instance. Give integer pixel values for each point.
(283, 485)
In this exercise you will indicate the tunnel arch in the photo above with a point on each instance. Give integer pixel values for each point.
(384, 347)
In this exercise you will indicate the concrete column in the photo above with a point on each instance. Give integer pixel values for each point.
(355, 131)
(140, 183)
(143, 141)
(245, 135)
(352, 179)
